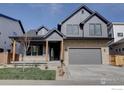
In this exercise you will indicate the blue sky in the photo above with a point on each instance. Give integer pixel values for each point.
(34, 15)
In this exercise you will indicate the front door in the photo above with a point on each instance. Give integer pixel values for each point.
(54, 51)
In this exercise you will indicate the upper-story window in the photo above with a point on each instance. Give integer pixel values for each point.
(95, 29)
(72, 29)
(120, 34)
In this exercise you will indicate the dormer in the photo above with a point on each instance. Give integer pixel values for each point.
(42, 31)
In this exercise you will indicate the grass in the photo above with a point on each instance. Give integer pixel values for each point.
(27, 74)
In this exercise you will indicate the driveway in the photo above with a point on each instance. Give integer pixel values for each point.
(96, 74)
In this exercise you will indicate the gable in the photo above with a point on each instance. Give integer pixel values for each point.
(97, 15)
(95, 19)
(42, 31)
(78, 17)
(83, 7)
(54, 37)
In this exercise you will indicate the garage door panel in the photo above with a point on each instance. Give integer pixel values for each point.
(84, 56)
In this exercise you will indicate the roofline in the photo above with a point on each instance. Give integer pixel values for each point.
(98, 15)
(118, 23)
(88, 38)
(8, 17)
(21, 27)
(82, 6)
(41, 28)
(102, 17)
(5, 16)
(52, 31)
(118, 42)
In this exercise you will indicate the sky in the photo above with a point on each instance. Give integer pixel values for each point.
(34, 15)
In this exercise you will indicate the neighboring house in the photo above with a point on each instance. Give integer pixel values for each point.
(117, 46)
(9, 27)
(80, 39)
(118, 30)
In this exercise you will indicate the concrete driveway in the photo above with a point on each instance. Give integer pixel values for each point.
(96, 74)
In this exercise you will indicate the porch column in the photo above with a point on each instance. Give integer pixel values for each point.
(46, 51)
(62, 51)
(13, 53)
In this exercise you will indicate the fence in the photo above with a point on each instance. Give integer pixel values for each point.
(10, 57)
(3, 57)
(117, 60)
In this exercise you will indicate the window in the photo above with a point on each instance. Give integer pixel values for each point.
(91, 29)
(120, 34)
(95, 30)
(0, 33)
(122, 49)
(72, 29)
(35, 50)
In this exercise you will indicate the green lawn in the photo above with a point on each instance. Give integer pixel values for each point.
(27, 74)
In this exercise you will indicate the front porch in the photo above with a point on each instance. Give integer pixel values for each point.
(37, 48)
(41, 51)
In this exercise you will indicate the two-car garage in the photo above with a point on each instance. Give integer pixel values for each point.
(85, 56)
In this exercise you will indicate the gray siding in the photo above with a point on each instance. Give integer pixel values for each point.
(76, 19)
(43, 31)
(95, 19)
(7, 28)
(54, 37)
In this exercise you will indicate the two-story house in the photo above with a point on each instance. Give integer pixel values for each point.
(9, 27)
(80, 39)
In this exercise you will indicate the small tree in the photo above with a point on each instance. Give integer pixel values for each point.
(26, 43)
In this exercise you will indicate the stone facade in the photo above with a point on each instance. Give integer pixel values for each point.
(87, 44)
